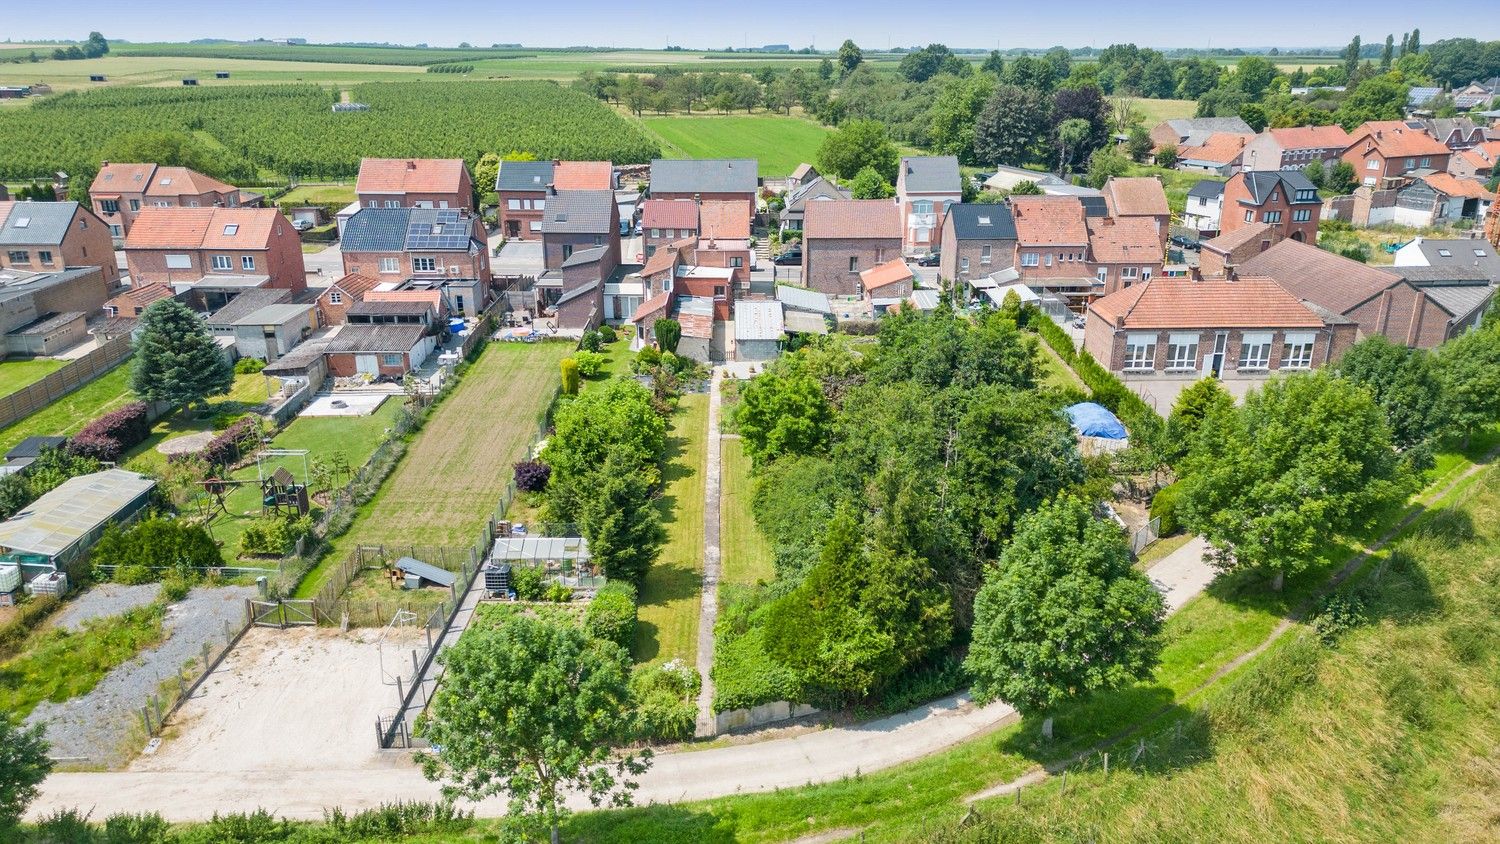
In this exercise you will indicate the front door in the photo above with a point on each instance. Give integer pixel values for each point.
(512, 228)
(1214, 363)
(367, 364)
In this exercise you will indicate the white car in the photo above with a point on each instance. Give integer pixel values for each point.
(302, 225)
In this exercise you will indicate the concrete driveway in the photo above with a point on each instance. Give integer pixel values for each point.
(325, 267)
(519, 257)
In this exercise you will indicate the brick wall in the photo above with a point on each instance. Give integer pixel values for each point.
(522, 217)
(952, 253)
(825, 261)
(86, 295)
(1107, 345)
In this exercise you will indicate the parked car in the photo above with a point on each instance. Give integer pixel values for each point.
(639, 230)
(931, 259)
(1184, 241)
(789, 258)
(302, 225)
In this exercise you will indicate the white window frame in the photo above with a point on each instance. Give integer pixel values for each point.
(1270, 217)
(1255, 351)
(1140, 353)
(1250, 216)
(963, 264)
(1182, 352)
(393, 203)
(222, 263)
(1302, 215)
(1030, 259)
(513, 205)
(1129, 273)
(536, 225)
(335, 297)
(179, 262)
(921, 206)
(247, 262)
(984, 255)
(390, 265)
(1297, 349)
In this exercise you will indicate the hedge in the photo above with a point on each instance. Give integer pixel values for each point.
(611, 615)
(112, 434)
(745, 675)
(224, 449)
(1164, 507)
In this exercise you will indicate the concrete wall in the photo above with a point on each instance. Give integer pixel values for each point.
(768, 713)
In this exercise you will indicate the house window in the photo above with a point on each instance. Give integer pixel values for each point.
(1028, 259)
(1182, 352)
(44, 256)
(598, 240)
(1255, 350)
(135, 205)
(395, 359)
(424, 265)
(222, 263)
(656, 232)
(116, 231)
(539, 204)
(1302, 215)
(390, 265)
(247, 262)
(1047, 259)
(19, 257)
(179, 262)
(109, 206)
(1275, 196)
(1372, 164)
(162, 203)
(922, 206)
(1306, 195)
(1271, 217)
(984, 255)
(963, 265)
(853, 263)
(513, 204)
(458, 304)
(192, 203)
(442, 203)
(719, 291)
(1128, 272)
(737, 262)
(335, 297)
(567, 251)
(1411, 164)
(1249, 216)
(536, 225)
(393, 203)
(1140, 352)
(1102, 274)
(1297, 350)
(373, 204)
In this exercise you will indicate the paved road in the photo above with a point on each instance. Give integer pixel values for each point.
(820, 756)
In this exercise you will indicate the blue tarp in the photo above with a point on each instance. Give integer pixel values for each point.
(1094, 420)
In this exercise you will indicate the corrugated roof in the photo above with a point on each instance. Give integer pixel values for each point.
(972, 221)
(427, 571)
(376, 338)
(579, 212)
(931, 174)
(400, 307)
(925, 299)
(37, 223)
(247, 303)
(803, 298)
(856, 218)
(540, 548)
(1459, 300)
(803, 322)
(524, 175)
(275, 315)
(1246, 302)
(758, 320)
(70, 512)
(704, 175)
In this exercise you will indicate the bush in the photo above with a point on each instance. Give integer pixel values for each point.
(859, 327)
(527, 581)
(591, 341)
(665, 698)
(1051, 333)
(611, 615)
(134, 575)
(1164, 507)
(225, 449)
(248, 366)
(744, 673)
(153, 545)
(569, 368)
(1338, 614)
(558, 593)
(589, 363)
(532, 475)
(273, 536)
(95, 446)
(393, 820)
(130, 828)
(647, 358)
(28, 615)
(608, 334)
(112, 434)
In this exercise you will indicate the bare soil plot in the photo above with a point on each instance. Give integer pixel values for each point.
(288, 699)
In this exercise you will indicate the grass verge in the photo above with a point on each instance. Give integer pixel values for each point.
(748, 558)
(57, 664)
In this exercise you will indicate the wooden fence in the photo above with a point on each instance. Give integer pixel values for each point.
(34, 397)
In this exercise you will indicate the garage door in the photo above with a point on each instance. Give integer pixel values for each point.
(368, 364)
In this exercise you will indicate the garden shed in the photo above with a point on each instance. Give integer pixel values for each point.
(60, 527)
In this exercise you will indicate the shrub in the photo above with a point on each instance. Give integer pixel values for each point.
(859, 327)
(1338, 614)
(611, 615)
(130, 828)
(28, 615)
(591, 341)
(527, 581)
(668, 332)
(589, 363)
(392, 820)
(273, 536)
(1164, 507)
(248, 366)
(112, 434)
(226, 448)
(175, 587)
(532, 475)
(558, 593)
(95, 446)
(608, 334)
(569, 368)
(154, 544)
(647, 358)
(664, 700)
(134, 575)
(1052, 334)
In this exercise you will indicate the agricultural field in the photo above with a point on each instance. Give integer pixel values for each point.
(667, 625)
(135, 71)
(290, 129)
(71, 412)
(15, 374)
(780, 143)
(1153, 112)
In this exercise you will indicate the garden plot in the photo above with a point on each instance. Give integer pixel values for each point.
(289, 699)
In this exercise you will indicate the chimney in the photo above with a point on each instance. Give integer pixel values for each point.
(411, 165)
(552, 189)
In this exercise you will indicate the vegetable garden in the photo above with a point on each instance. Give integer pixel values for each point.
(291, 130)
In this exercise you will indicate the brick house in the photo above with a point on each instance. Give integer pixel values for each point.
(975, 240)
(816, 189)
(1123, 250)
(215, 249)
(1185, 329)
(1222, 255)
(579, 219)
(886, 285)
(730, 179)
(422, 248)
(1284, 199)
(135, 300)
(1384, 152)
(120, 191)
(49, 236)
(724, 239)
(414, 183)
(1455, 133)
(375, 350)
(666, 221)
(336, 299)
(1052, 246)
(1477, 162)
(840, 239)
(1194, 131)
(1295, 147)
(522, 188)
(1420, 314)
(925, 186)
(1221, 154)
(1141, 197)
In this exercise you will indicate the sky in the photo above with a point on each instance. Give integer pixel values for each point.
(873, 24)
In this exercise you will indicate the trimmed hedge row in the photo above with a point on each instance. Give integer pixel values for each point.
(112, 434)
(1140, 420)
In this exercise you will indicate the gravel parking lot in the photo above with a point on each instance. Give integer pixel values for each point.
(100, 728)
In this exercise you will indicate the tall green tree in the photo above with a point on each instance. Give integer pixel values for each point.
(1193, 405)
(850, 57)
(869, 184)
(534, 710)
(1032, 74)
(486, 171)
(1404, 383)
(1469, 367)
(954, 112)
(23, 765)
(1388, 54)
(1064, 614)
(994, 64)
(176, 359)
(1306, 457)
(619, 519)
(668, 333)
(1351, 58)
(783, 411)
(617, 414)
(1012, 126)
(856, 145)
(825, 70)
(1072, 134)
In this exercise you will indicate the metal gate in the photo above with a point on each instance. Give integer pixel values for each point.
(298, 613)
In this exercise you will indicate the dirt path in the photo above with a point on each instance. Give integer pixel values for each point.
(708, 602)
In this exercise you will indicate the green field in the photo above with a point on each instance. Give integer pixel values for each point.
(748, 557)
(15, 374)
(669, 595)
(780, 143)
(71, 412)
(1153, 112)
(341, 194)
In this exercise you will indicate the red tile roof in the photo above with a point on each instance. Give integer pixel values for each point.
(670, 214)
(1394, 139)
(1167, 303)
(1323, 278)
(1311, 137)
(655, 305)
(1139, 196)
(410, 175)
(583, 175)
(1220, 148)
(1226, 243)
(203, 228)
(880, 275)
(722, 220)
(355, 285)
(1047, 220)
(139, 297)
(122, 178)
(853, 218)
(1123, 240)
(1454, 186)
(178, 181)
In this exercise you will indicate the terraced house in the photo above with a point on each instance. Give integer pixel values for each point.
(728, 179)
(925, 187)
(421, 249)
(120, 191)
(50, 236)
(1384, 153)
(522, 188)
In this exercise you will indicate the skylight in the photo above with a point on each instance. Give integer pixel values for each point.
(166, 181)
(984, 221)
(23, 222)
(1480, 253)
(1445, 253)
(232, 229)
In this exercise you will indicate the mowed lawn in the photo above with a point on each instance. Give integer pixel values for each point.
(458, 465)
(1155, 111)
(780, 143)
(66, 415)
(747, 556)
(318, 195)
(667, 626)
(15, 374)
